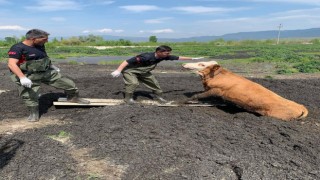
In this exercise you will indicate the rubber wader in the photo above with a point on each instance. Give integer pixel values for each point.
(76, 99)
(129, 98)
(34, 113)
(160, 99)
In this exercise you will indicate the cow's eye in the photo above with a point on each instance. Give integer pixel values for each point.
(201, 64)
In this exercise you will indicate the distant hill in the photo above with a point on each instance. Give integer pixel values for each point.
(258, 35)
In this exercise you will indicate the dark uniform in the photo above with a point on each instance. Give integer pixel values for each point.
(139, 69)
(35, 64)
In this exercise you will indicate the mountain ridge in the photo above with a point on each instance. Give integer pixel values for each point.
(255, 35)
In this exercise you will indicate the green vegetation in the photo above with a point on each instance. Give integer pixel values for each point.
(268, 77)
(73, 62)
(290, 56)
(62, 136)
(93, 176)
(113, 62)
(153, 39)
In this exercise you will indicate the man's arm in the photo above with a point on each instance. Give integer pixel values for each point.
(117, 72)
(12, 64)
(189, 58)
(122, 66)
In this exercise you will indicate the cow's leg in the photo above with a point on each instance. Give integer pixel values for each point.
(201, 95)
(196, 97)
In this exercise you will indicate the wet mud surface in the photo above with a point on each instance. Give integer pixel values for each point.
(150, 142)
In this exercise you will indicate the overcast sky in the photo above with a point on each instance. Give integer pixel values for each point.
(162, 18)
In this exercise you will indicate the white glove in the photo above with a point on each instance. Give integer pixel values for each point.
(26, 82)
(197, 58)
(116, 73)
(54, 67)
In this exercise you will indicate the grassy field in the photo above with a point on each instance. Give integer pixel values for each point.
(287, 58)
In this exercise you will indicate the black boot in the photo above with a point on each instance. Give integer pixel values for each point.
(160, 99)
(128, 98)
(34, 113)
(76, 99)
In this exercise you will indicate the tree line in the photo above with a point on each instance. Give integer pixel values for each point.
(78, 40)
(93, 40)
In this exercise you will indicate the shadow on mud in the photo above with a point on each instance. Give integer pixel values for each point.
(221, 104)
(8, 150)
(218, 102)
(46, 101)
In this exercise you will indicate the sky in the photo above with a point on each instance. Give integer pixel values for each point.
(160, 18)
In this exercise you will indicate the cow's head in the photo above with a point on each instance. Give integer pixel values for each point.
(210, 71)
(199, 65)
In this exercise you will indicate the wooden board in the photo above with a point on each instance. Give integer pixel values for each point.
(190, 105)
(93, 102)
(114, 102)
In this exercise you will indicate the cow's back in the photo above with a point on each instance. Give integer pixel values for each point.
(254, 97)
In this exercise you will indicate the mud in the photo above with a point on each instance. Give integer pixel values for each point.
(150, 142)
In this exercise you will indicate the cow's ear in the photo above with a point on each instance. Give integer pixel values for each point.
(216, 67)
(211, 74)
(214, 70)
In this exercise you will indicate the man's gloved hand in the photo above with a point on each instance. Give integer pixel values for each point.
(26, 82)
(54, 67)
(197, 58)
(116, 73)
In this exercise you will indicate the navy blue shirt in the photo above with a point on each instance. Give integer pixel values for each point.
(24, 53)
(147, 59)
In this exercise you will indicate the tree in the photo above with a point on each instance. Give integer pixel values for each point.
(11, 40)
(315, 41)
(153, 39)
(124, 42)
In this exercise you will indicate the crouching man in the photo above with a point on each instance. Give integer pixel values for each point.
(138, 69)
(30, 66)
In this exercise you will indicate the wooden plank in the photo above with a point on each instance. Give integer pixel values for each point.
(100, 102)
(115, 102)
(78, 104)
(93, 102)
(190, 105)
(96, 100)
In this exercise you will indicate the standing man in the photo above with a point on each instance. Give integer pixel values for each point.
(30, 66)
(138, 69)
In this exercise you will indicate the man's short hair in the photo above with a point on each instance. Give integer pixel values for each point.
(36, 33)
(163, 48)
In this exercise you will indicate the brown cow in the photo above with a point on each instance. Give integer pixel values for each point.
(247, 94)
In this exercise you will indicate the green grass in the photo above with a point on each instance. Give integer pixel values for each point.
(268, 77)
(61, 135)
(93, 176)
(287, 58)
(112, 62)
(74, 62)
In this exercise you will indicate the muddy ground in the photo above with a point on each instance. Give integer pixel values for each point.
(150, 142)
